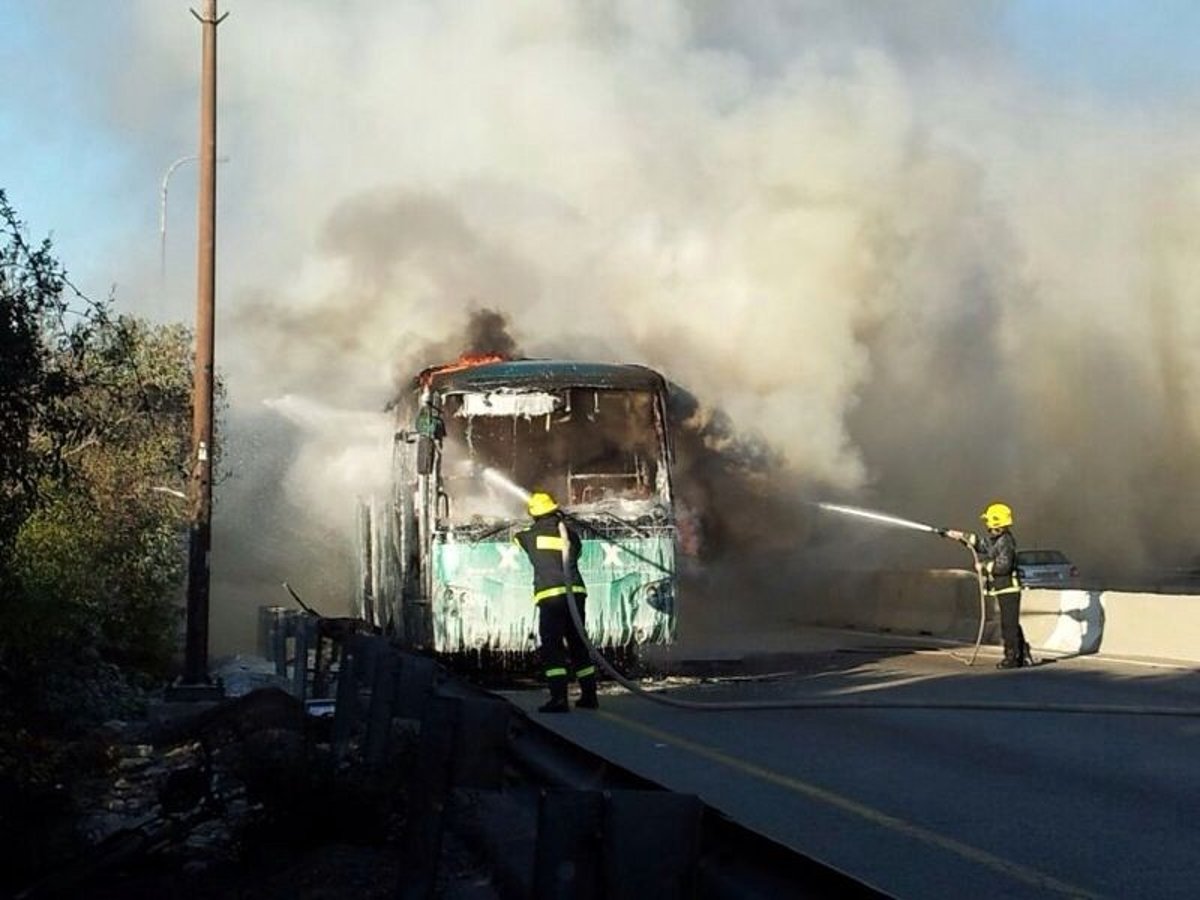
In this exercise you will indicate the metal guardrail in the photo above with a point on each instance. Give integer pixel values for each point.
(591, 830)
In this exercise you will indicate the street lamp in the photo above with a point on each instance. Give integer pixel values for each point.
(162, 212)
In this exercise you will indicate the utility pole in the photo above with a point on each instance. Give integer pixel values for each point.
(195, 672)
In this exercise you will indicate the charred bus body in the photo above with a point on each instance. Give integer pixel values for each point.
(440, 570)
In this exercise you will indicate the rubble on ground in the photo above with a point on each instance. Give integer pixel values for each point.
(245, 797)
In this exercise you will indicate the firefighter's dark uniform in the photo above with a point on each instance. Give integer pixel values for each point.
(999, 553)
(543, 544)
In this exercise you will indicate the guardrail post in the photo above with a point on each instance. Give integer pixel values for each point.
(482, 743)
(428, 790)
(266, 629)
(347, 713)
(617, 845)
(651, 845)
(567, 861)
(381, 708)
(279, 636)
(416, 686)
(320, 669)
(300, 630)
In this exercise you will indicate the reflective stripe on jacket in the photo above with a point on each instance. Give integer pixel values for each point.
(543, 544)
(1000, 555)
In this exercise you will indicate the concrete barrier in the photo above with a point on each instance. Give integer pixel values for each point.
(944, 603)
(1064, 622)
(1152, 626)
(935, 602)
(1114, 623)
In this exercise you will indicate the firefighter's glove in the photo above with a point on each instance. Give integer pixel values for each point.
(955, 535)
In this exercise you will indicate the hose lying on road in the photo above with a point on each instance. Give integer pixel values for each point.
(962, 705)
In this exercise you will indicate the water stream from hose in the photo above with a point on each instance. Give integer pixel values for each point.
(499, 479)
(881, 518)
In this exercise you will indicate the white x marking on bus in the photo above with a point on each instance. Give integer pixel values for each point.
(508, 555)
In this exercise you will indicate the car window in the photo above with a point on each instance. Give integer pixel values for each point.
(1041, 558)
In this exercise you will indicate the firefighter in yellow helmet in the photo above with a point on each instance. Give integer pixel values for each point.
(996, 552)
(553, 548)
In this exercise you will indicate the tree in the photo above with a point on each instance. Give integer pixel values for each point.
(34, 337)
(105, 544)
(95, 415)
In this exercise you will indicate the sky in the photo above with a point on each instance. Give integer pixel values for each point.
(935, 253)
(94, 184)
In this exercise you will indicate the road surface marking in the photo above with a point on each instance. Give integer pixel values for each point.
(884, 685)
(1024, 874)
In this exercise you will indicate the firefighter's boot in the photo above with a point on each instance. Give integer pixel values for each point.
(1012, 659)
(587, 692)
(558, 695)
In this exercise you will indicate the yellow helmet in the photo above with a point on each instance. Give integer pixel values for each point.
(541, 503)
(998, 515)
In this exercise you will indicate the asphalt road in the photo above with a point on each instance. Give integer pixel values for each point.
(932, 803)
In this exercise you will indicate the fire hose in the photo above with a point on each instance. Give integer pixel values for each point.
(982, 601)
(959, 705)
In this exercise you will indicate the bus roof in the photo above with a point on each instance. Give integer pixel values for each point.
(544, 374)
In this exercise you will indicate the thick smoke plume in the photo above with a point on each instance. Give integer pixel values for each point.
(857, 228)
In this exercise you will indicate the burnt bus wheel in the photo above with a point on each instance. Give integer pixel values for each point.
(625, 659)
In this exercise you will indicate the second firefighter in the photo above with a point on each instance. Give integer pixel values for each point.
(997, 561)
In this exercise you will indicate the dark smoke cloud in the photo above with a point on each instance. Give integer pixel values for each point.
(486, 333)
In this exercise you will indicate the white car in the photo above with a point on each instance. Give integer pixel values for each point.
(1046, 568)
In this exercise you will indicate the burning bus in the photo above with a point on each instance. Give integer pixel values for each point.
(440, 570)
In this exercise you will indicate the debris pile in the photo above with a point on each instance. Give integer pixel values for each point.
(224, 794)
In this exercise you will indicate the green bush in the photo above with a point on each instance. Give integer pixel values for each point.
(95, 419)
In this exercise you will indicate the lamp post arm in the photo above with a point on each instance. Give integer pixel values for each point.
(162, 211)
